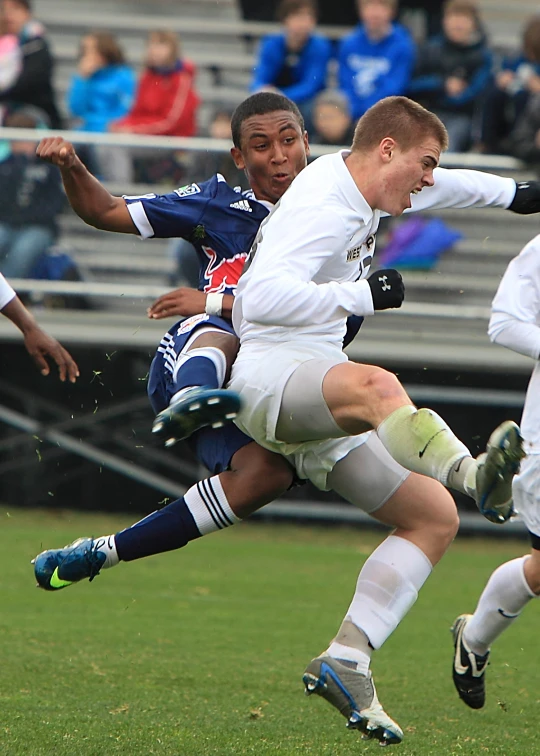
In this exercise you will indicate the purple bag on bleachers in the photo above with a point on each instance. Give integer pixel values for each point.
(417, 244)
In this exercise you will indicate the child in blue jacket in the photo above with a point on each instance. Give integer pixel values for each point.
(376, 59)
(294, 61)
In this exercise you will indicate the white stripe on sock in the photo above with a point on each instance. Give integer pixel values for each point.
(209, 506)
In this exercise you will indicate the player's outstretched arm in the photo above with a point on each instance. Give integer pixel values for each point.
(88, 198)
(186, 302)
(39, 344)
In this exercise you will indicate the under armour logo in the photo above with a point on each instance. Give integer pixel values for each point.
(385, 286)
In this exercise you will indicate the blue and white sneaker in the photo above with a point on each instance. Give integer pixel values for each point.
(496, 470)
(353, 694)
(196, 408)
(57, 568)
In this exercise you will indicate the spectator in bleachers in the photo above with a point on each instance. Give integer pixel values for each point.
(103, 88)
(524, 140)
(295, 61)
(29, 80)
(376, 59)
(430, 12)
(102, 91)
(518, 78)
(454, 70)
(166, 101)
(332, 119)
(31, 198)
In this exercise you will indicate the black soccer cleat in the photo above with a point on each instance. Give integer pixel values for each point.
(468, 669)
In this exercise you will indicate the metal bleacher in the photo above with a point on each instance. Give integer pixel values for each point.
(446, 307)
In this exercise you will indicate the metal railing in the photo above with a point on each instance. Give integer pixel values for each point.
(501, 163)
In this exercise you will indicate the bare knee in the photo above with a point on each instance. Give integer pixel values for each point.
(424, 512)
(383, 386)
(444, 523)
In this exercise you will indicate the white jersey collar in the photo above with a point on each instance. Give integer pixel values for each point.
(351, 191)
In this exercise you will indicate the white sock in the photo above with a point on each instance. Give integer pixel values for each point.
(500, 604)
(387, 587)
(208, 504)
(107, 546)
(421, 441)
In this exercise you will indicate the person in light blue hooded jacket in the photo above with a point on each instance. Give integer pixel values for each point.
(376, 60)
(103, 89)
(101, 92)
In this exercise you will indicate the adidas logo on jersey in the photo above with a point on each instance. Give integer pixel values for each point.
(242, 205)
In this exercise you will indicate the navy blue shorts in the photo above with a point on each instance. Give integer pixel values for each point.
(214, 448)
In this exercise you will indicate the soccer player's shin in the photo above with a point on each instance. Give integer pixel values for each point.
(204, 509)
(198, 398)
(505, 595)
(421, 441)
(204, 366)
(386, 589)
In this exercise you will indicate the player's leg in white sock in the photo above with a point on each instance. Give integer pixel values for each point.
(386, 589)
(506, 594)
(425, 516)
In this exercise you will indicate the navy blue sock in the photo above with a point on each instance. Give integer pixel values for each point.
(164, 530)
(198, 371)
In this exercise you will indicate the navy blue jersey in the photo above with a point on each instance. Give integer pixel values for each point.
(218, 220)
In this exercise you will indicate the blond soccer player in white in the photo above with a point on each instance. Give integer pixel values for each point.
(305, 400)
(515, 324)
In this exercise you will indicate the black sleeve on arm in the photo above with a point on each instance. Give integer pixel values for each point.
(527, 198)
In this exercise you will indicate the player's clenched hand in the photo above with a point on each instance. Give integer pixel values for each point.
(40, 345)
(58, 151)
(387, 289)
(183, 302)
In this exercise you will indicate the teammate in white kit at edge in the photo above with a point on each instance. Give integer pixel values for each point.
(514, 324)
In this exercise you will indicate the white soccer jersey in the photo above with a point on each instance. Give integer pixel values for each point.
(515, 323)
(314, 250)
(6, 292)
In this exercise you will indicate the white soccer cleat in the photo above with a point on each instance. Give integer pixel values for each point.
(353, 694)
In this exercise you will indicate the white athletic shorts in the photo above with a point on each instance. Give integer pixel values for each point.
(260, 376)
(526, 491)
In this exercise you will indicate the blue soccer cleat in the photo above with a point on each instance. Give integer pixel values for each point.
(496, 470)
(57, 568)
(353, 694)
(194, 409)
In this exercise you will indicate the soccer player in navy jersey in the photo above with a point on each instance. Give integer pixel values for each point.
(194, 357)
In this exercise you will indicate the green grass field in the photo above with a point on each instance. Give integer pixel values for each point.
(202, 651)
